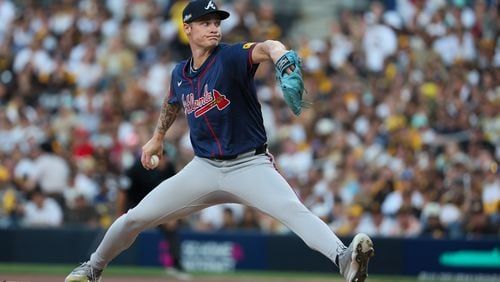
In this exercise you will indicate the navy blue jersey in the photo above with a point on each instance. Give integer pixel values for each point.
(220, 102)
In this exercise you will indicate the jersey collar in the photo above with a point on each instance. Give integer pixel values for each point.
(191, 74)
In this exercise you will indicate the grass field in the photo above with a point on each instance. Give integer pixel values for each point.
(51, 273)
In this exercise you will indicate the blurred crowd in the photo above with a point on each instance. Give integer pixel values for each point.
(401, 138)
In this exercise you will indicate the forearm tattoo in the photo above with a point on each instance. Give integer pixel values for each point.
(167, 116)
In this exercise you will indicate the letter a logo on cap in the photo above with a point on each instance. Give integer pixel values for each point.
(210, 5)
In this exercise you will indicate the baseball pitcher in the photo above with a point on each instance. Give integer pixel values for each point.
(215, 89)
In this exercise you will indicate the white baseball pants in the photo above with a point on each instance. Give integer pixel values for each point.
(250, 180)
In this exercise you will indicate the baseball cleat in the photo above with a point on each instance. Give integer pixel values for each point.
(353, 262)
(84, 273)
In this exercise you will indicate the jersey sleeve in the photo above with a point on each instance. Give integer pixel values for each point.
(240, 57)
(172, 97)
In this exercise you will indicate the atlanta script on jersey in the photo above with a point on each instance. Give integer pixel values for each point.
(220, 102)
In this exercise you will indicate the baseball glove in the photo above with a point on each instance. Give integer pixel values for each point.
(291, 82)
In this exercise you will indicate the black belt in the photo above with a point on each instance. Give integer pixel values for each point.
(257, 151)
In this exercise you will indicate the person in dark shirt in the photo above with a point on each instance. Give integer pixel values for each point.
(81, 213)
(141, 182)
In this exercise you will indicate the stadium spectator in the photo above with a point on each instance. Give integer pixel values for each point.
(41, 211)
(11, 201)
(407, 224)
(81, 213)
(476, 222)
(228, 220)
(265, 27)
(491, 189)
(431, 223)
(50, 172)
(250, 220)
(215, 217)
(375, 223)
(7, 14)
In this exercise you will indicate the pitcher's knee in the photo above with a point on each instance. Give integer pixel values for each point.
(133, 221)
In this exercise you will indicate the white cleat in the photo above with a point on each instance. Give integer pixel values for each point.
(84, 273)
(353, 262)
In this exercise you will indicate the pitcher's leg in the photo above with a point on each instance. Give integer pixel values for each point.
(171, 199)
(262, 187)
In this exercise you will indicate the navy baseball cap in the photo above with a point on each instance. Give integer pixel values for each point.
(199, 8)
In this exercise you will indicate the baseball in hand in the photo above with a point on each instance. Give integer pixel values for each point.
(155, 160)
